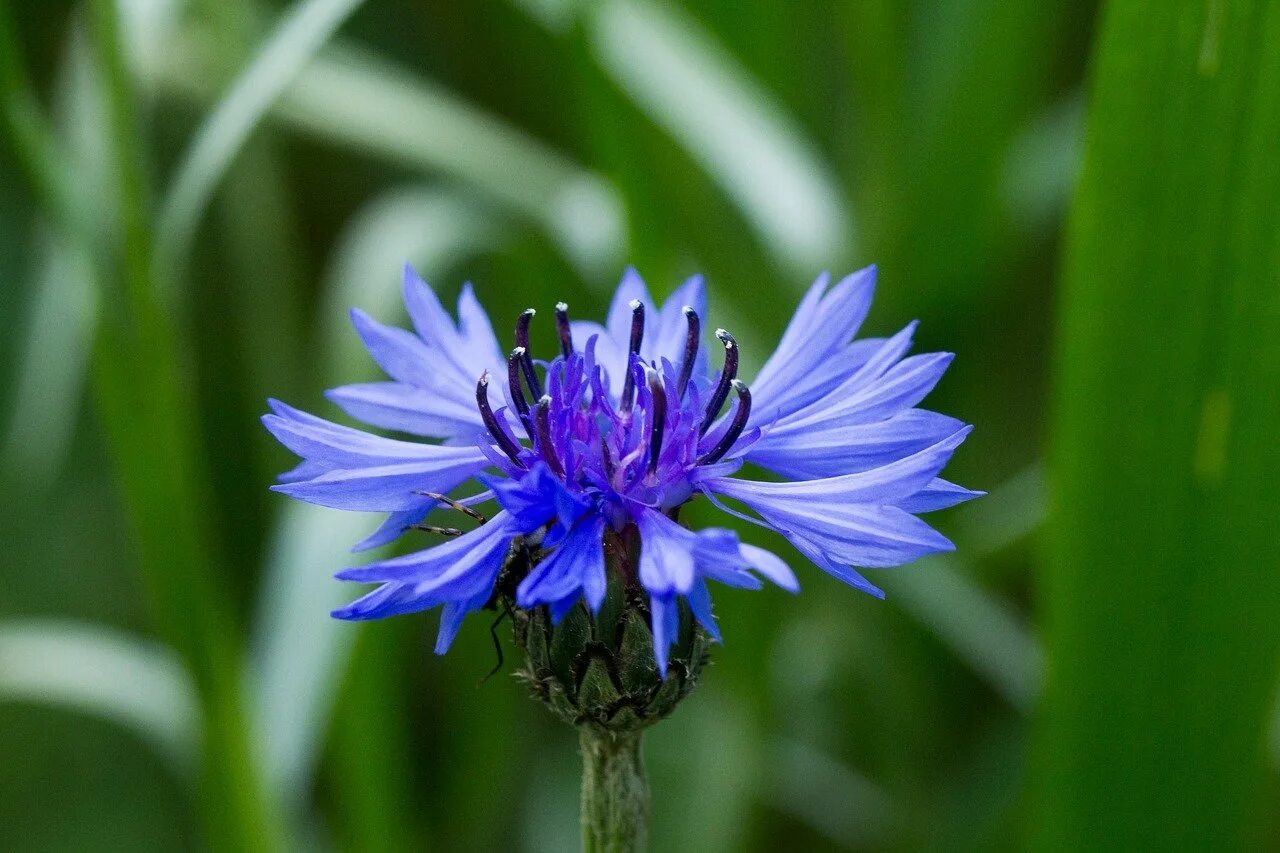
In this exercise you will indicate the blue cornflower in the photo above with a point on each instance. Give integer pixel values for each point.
(606, 441)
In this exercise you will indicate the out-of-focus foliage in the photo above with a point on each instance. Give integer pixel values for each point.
(193, 193)
(1162, 584)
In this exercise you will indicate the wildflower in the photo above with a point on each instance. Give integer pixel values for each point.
(591, 455)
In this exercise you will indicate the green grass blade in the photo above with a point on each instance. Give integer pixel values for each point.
(1042, 164)
(355, 98)
(136, 683)
(55, 354)
(1161, 586)
(819, 790)
(300, 652)
(303, 30)
(689, 85)
(61, 321)
(147, 415)
(980, 628)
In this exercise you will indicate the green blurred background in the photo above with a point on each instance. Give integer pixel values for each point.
(1083, 203)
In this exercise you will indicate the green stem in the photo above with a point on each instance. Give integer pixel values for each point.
(615, 793)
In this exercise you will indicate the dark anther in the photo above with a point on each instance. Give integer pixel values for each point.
(739, 423)
(452, 504)
(637, 337)
(727, 376)
(522, 327)
(542, 420)
(690, 350)
(659, 413)
(562, 328)
(497, 430)
(526, 359)
(517, 391)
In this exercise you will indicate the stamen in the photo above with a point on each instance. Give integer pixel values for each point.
(526, 360)
(452, 504)
(517, 391)
(431, 528)
(659, 412)
(522, 327)
(690, 350)
(725, 444)
(491, 423)
(542, 420)
(562, 327)
(727, 376)
(637, 337)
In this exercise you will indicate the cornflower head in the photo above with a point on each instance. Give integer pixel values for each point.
(590, 456)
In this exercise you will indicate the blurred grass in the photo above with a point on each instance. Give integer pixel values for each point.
(534, 147)
(1160, 589)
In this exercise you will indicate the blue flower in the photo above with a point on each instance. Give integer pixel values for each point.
(606, 441)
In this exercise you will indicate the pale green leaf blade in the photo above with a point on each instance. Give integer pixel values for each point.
(303, 29)
(99, 671)
(689, 85)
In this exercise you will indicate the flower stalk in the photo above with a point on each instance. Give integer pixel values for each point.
(615, 792)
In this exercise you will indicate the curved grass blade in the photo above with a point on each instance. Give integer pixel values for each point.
(819, 790)
(689, 85)
(55, 358)
(87, 668)
(354, 98)
(980, 628)
(302, 31)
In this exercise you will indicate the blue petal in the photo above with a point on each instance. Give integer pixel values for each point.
(330, 446)
(395, 524)
(480, 342)
(390, 487)
(445, 563)
(576, 565)
(433, 323)
(459, 574)
(407, 408)
(770, 565)
(848, 517)
(536, 497)
(897, 390)
(401, 354)
(840, 572)
(666, 553)
(821, 328)
(700, 603)
(451, 616)
(884, 484)
(939, 494)
(665, 616)
(806, 453)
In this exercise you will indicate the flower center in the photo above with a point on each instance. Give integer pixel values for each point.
(664, 423)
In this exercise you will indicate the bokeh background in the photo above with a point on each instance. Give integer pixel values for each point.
(1081, 202)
